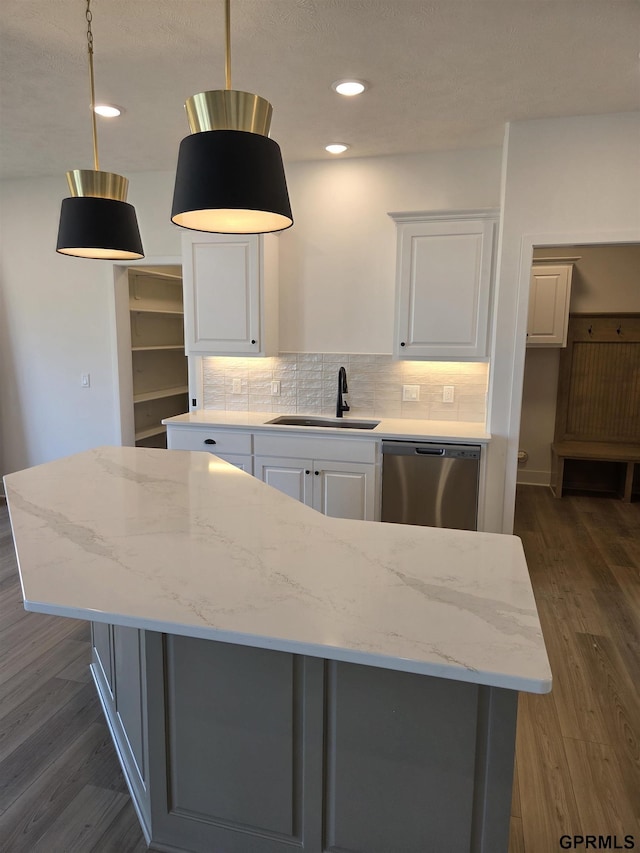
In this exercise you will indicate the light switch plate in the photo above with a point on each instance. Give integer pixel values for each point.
(447, 393)
(410, 393)
(275, 387)
(236, 386)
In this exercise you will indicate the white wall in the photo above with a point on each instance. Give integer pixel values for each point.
(337, 284)
(566, 181)
(338, 261)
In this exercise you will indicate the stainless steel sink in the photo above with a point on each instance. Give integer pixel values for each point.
(339, 423)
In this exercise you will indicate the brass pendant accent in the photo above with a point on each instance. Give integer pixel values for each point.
(96, 184)
(229, 109)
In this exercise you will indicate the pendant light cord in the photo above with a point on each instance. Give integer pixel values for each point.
(227, 52)
(89, 17)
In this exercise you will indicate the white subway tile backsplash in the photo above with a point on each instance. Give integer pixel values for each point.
(388, 410)
(238, 403)
(309, 385)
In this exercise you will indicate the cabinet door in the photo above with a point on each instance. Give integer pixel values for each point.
(444, 273)
(549, 295)
(344, 490)
(230, 287)
(292, 476)
(221, 276)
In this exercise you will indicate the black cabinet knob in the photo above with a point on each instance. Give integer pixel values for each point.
(316, 473)
(253, 342)
(402, 344)
(307, 472)
(209, 441)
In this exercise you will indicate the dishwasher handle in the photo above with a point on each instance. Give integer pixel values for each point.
(439, 450)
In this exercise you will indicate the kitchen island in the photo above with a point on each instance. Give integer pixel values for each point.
(277, 679)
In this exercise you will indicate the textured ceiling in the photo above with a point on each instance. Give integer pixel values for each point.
(442, 73)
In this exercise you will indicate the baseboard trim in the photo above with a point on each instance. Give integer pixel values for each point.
(534, 478)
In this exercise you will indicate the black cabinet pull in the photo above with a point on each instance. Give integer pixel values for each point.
(209, 441)
(307, 472)
(316, 473)
(402, 344)
(253, 342)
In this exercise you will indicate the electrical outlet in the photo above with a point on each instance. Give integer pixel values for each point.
(447, 393)
(275, 387)
(236, 386)
(85, 380)
(410, 393)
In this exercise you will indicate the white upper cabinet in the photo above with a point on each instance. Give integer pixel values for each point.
(444, 278)
(230, 294)
(549, 297)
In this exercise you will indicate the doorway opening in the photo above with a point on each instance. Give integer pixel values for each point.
(603, 281)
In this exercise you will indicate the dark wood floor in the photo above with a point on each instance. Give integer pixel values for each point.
(61, 787)
(578, 754)
(578, 748)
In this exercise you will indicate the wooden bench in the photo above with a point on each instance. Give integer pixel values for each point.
(597, 451)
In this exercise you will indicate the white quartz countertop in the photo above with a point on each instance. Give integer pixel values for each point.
(399, 428)
(184, 543)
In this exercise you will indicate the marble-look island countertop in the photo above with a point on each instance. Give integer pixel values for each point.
(184, 543)
(398, 428)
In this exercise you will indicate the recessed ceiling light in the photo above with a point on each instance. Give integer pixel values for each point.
(336, 148)
(107, 110)
(349, 87)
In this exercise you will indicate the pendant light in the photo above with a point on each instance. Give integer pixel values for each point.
(230, 177)
(96, 221)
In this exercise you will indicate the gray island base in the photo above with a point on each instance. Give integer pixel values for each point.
(242, 750)
(276, 679)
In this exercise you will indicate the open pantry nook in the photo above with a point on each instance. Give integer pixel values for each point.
(152, 364)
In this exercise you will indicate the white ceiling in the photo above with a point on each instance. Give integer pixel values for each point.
(442, 73)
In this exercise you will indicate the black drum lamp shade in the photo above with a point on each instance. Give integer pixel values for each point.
(99, 228)
(230, 176)
(231, 181)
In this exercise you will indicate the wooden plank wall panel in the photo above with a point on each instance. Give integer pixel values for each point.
(599, 381)
(604, 394)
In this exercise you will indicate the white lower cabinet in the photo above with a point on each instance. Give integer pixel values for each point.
(336, 476)
(338, 489)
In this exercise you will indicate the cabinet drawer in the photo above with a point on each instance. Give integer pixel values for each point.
(211, 440)
(349, 450)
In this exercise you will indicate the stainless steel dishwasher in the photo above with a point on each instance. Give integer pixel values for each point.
(435, 485)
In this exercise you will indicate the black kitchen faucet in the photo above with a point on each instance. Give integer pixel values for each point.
(341, 406)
